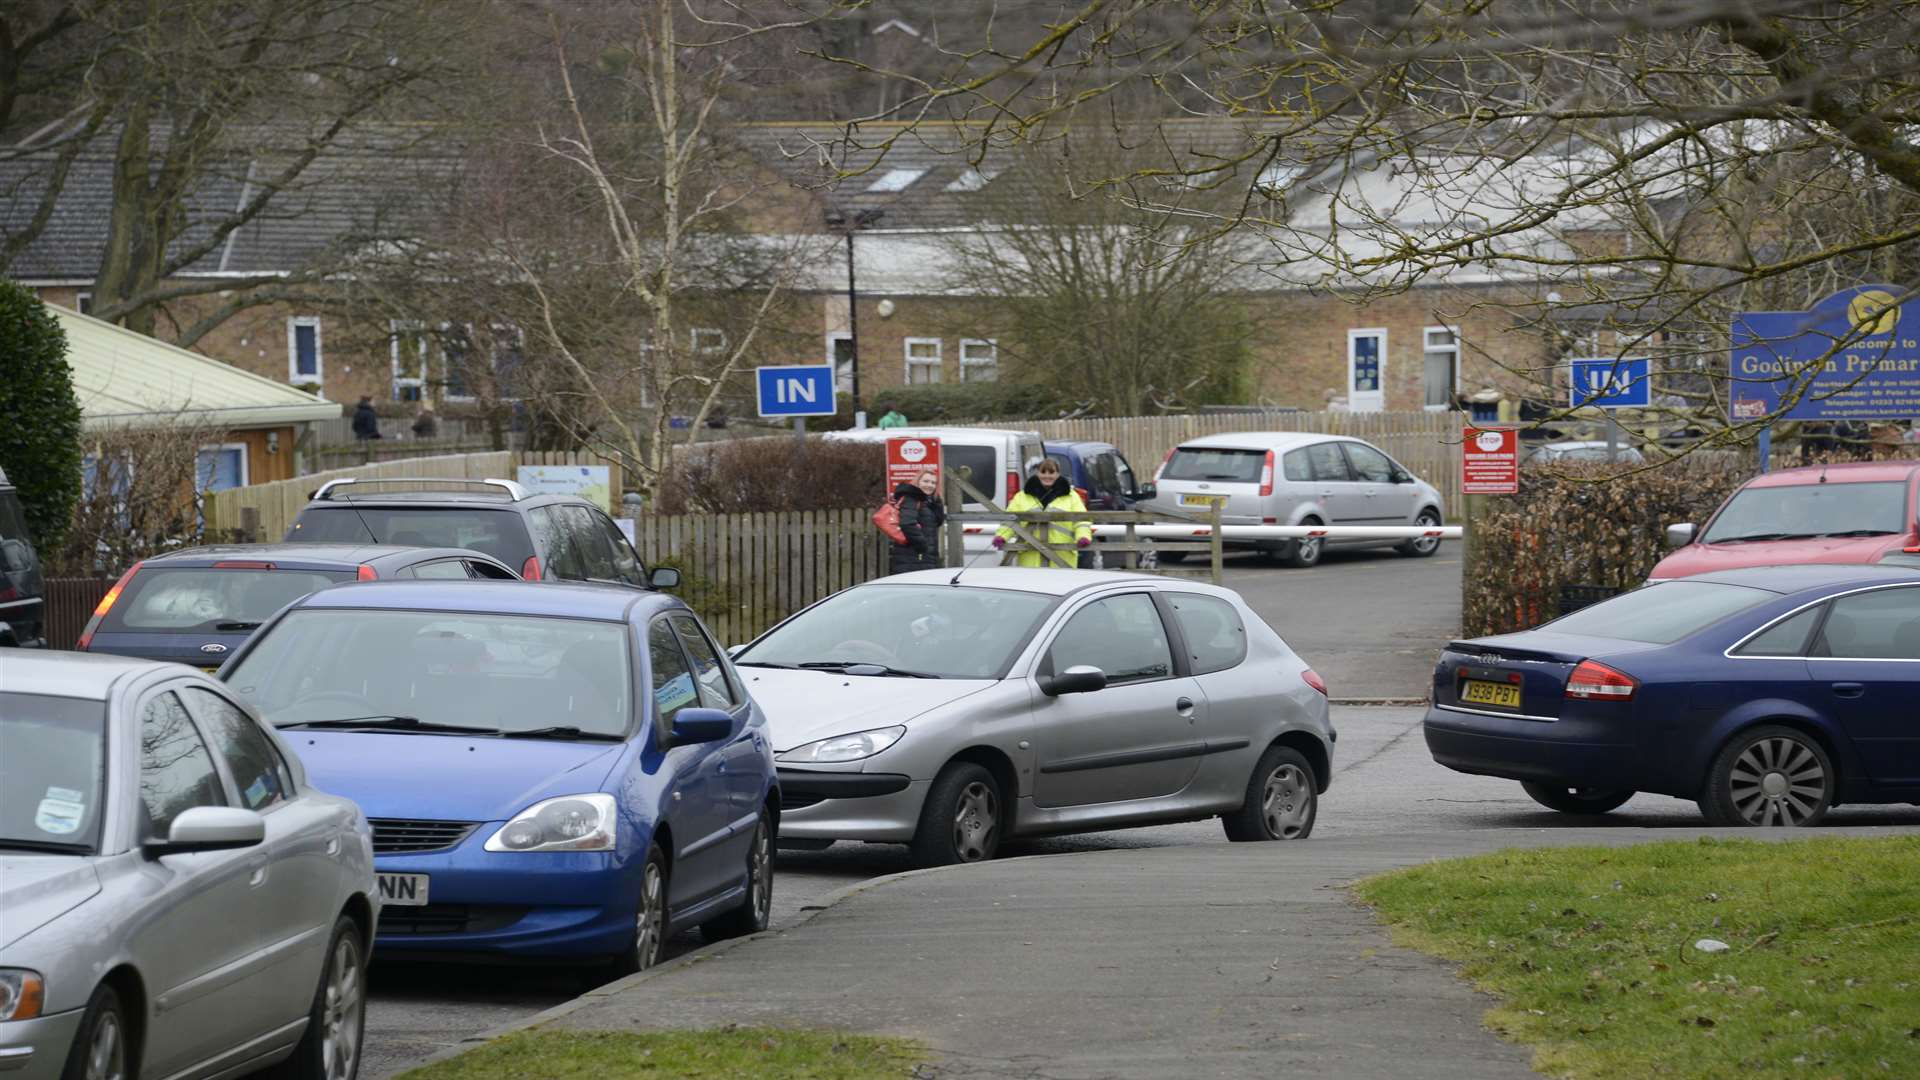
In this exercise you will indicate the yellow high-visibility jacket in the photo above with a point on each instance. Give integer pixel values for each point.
(1062, 535)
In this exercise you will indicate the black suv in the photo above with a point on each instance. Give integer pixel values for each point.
(546, 537)
(21, 590)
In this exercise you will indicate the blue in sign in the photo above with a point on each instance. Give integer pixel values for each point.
(1853, 356)
(1612, 383)
(796, 390)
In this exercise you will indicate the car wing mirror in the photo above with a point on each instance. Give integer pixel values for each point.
(700, 726)
(1079, 679)
(1146, 491)
(663, 577)
(210, 828)
(1680, 535)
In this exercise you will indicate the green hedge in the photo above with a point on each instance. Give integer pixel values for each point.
(39, 415)
(969, 402)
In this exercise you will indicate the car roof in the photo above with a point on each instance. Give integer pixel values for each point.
(1037, 579)
(1081, 446)
(1801, 577)
(71, 674)
(337, 554)
(605, 602)
(956, 433)
(1850, 472)
(478, 499)
(1262, 440)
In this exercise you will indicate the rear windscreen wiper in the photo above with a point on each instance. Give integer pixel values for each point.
(562, 731)
(393, 723)
(236, 626)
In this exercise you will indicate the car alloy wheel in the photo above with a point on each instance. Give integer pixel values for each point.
(976, 821)
(344, 1011)
(1304, 552)
(755, 912)
(1288, 802)
(650, 917)
(106, 1047)
(1769, 776)
(1282, 799)
(1423, 546)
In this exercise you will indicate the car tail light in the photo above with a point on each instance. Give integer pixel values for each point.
(1311, 679)
(1266, 475)
(366, 573)
(1593, 681)
(106, 604)
(242, 564)
(1164, 462)
(1013, 485)
(530, 570)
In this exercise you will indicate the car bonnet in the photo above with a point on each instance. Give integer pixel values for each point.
(37, 889)
(448, 777)
(803, 706)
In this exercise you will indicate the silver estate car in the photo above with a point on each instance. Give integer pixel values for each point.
(175, 900)
(1298, 478)
(949, 711)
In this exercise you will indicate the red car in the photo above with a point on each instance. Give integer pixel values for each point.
(1863, 512)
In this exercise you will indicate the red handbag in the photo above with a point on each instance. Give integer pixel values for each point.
(887, 520)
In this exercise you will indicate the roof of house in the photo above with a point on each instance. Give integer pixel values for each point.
(127, 379)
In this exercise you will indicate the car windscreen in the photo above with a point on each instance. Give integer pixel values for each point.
(975, 465)
(186, 599)
(499, 533)
(1662, 613)
(952, 633)
(503, 672)
(1215, 463)
(54, 752)
(1803, 510)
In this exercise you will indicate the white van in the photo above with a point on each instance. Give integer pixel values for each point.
(994, 460)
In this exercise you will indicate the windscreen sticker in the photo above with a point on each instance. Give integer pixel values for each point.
(258, 791)
(66, 794)
(59, 817)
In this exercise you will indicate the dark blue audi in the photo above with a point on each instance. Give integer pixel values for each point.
(561, 773)
(1767, 695)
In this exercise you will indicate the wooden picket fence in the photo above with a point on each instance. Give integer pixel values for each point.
(69, 604)
(264, 512)
(745, 572)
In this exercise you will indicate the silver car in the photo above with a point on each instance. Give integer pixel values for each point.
(175, 900)
(949, 711)
(1298, 478)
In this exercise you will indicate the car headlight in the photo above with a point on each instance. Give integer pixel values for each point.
(21, 994)
(860, 744)
(568, 823)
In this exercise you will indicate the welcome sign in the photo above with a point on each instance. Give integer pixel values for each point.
(1853, 356)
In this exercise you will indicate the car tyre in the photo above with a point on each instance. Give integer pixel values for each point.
(101, 1050)
(1769, 775)
(756, 911)
(1303, 553)
(649, 917)
(1422, 547)
(963, 818)
(1282, 799)
(336, 1026)
(1577, 800)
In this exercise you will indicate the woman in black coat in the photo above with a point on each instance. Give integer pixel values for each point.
(921, 517)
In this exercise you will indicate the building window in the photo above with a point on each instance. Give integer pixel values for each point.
(979, 360)
(407, 341)
(840, 355)
(1366, 369)
(1442, 367)
(709, 340)
(83, 303)
(219, 466)
(305, 363)
(923, 361)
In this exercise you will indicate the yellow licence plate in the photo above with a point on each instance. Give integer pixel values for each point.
(1203, 500)
(1490, 693)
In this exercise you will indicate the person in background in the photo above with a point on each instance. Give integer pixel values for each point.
(921, 516)
(425, 425)
(1047, 490)
(366, 422)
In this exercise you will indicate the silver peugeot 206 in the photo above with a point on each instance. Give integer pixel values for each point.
(951, 710)
(175, 900)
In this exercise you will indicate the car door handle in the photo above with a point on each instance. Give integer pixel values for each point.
(257, 878)
(1849, 689)
(1183, 706)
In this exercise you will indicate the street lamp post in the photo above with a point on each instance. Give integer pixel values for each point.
(860, 219)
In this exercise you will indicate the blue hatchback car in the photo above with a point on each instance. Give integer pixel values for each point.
(553, 772)
(1768, 695)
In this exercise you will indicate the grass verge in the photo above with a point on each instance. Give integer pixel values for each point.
(770, 1053)
(1592, 951)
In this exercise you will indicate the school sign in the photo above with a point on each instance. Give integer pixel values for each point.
(1853, 356)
